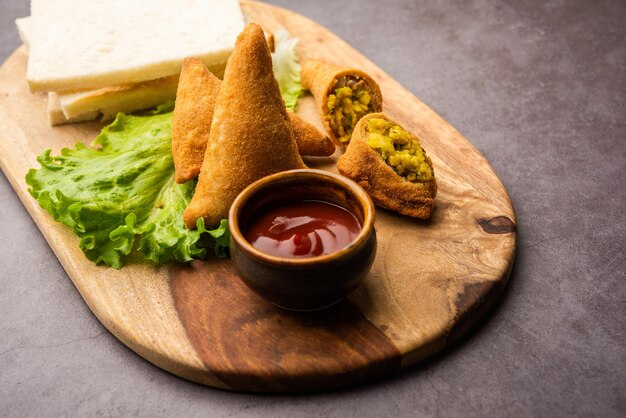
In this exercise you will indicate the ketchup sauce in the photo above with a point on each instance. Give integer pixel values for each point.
(301, 229)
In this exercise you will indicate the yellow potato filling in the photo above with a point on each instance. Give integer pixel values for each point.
(349, 102)
(399, 149)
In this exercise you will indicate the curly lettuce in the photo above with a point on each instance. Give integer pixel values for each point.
(119, 196)
(286, 68)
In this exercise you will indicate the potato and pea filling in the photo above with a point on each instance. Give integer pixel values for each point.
(399, 149)
(350, 101)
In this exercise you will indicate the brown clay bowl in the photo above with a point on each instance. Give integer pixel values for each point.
(303, 283)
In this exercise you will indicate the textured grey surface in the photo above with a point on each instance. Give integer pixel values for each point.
(540, 88)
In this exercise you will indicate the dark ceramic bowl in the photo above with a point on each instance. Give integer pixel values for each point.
(303, 283)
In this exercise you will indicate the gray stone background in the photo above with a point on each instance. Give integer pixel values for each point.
(539, 87)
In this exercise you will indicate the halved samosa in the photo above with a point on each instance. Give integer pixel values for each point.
(310, 140)
(251, 135)
(391, 165)
(191, 122)
(344, 95)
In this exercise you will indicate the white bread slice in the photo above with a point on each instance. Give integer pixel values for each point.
(77, 44)
(106, 102)
(109, 101)
(57, 117)
(23, 29)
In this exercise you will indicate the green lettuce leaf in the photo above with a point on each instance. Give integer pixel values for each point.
(286, 68)
(121, 191)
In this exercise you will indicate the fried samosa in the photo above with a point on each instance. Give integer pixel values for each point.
(311, 142)
(343, 95)
(251, 136)
(191, 122)
(391, 165)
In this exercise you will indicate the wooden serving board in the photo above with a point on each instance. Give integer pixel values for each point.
(430, 282)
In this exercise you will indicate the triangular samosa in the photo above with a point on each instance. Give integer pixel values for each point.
(251, 135)
(191, 122)
(310, 140)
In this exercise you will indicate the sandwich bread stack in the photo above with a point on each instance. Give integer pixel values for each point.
(100, 57)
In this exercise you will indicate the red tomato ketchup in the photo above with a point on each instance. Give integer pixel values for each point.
(301, 229)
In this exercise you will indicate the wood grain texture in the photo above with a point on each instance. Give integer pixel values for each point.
(274, 349)
(430, 283)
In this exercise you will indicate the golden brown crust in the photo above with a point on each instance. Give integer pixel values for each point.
(191, 122)
(251, 136)
(311, 141)
(386, 188)
(320, 78)
(271, 42)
